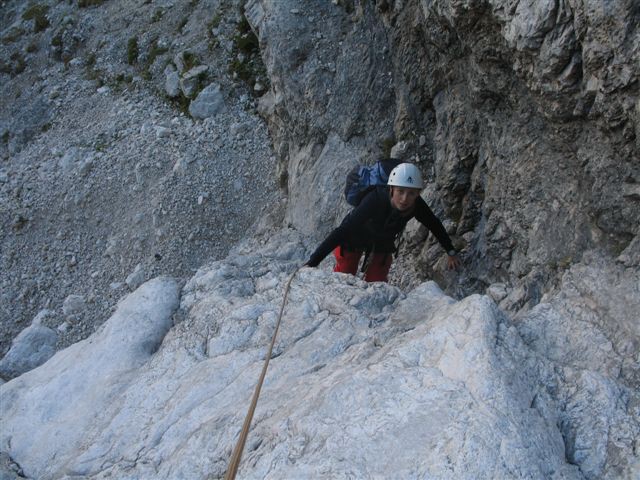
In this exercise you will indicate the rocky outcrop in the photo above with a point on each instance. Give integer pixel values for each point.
(524, 116)
(365, 380)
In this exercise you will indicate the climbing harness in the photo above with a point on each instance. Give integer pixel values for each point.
(237, 451)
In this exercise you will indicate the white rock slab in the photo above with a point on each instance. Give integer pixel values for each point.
(365, 382)
(51, 414)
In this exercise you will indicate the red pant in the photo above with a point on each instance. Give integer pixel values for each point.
(377, 271)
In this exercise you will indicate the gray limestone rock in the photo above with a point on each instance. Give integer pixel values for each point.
(172, 83)
(208, 103)
(355, 365)
(587, 339)
(515, 108)
(191, 80)
(73, 304)
(630, 256)
(179, 62)
(9, 470)
(162, 132)
(323, 184)
(30, 349)
(66, 211)
(25, 122)
(497, 291)
(399, 151)
(524, 117)
(127, 341)
(135, 278)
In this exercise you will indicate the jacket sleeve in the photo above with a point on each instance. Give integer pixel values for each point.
(354, 220)
(426, 217)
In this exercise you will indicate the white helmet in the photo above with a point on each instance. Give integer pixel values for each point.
(405, 175)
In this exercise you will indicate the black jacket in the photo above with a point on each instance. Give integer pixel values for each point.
(374, 225)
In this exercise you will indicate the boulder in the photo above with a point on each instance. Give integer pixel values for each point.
(31, 348)
(208, 103)
(135, 278)
(190, 81)
(73, 304)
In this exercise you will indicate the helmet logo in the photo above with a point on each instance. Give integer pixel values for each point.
(410, 179)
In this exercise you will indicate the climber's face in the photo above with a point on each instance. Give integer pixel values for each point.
(403, 198)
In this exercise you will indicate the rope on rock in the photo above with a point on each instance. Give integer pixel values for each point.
(237, 451)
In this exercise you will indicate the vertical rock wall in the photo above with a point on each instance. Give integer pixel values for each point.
(523, 115)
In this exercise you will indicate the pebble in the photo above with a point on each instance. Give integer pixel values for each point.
(162, 132)
(136, 278)
(73, 304)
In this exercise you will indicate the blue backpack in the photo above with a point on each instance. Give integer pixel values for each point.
(361, 179)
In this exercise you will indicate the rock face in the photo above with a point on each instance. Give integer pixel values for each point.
(524, 116)
(588, 335)
(366, 381)
(525, 119)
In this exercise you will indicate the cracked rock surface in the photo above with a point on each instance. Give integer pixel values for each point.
(150, 219)
(365, 380)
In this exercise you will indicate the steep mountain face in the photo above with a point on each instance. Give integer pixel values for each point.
(524, 115)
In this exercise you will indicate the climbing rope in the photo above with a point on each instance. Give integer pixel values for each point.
(237, 451)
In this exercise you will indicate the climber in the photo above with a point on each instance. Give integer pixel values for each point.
(373, 226)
